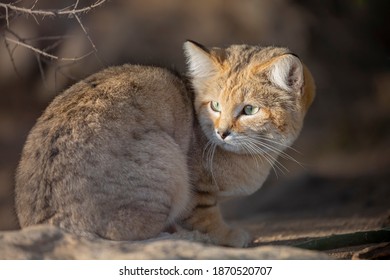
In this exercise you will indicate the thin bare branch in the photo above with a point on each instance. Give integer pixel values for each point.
(6, 16)
(16, 2)
(33, 5)
(76, 4)
(59, 70)
(43, 76)
(19, 43)
(44, 55)
(48, 38)
(85, 32)
(52, 13)
(52, 46)
(10, 53)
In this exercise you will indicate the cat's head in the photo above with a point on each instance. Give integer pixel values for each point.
(248, 98)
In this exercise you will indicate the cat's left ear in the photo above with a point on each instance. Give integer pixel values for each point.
(202, 62)
(286, 72)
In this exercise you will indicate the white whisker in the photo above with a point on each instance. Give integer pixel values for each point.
(252, 152)
(205, 149)
(208, 153)
(259, 140)
(275, 142)
(267, 151)
(278, 151)
(263, 154)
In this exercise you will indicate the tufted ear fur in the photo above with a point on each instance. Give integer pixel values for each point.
(201, 61)
(287, 73)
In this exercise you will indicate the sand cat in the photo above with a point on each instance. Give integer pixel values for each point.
(131, 150)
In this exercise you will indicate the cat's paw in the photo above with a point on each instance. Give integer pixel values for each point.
(236, 237)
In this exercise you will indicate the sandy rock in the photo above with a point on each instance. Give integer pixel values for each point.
(48, 242)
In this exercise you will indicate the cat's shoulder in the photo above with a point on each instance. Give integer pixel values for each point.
(116, 81)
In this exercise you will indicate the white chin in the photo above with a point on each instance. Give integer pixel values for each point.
(229, 147)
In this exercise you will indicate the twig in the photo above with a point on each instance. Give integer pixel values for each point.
(43, 76)
(51, 13)
(19, 43)
(59, 70)
(31, 48)
(33, 5)
(10, 53)
(47, 38)
(76, 4)
(52, 46)
(44, 56)
(85, 32)
(6, 16)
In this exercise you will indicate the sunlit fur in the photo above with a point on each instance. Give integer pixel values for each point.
(271, 78)
(131, 150)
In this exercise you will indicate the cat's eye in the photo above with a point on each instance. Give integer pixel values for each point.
(250, 110)
(215, 106)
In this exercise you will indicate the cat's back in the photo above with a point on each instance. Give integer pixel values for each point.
(120, 93)
(100, 135)
(122, 98)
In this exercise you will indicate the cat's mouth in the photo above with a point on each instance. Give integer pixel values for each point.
(231, 147)
(229, 143)
(243, 144)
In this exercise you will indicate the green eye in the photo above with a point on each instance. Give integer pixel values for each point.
(250, 110)
(215, 106)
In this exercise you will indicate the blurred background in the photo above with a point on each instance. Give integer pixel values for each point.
(344, 147)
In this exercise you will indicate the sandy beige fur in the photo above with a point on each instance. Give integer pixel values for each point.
(131, 150)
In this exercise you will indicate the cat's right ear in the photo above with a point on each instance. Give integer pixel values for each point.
(201, 61)
(287, 72)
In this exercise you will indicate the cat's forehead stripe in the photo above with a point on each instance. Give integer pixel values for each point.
(261, 67)
(252, 58)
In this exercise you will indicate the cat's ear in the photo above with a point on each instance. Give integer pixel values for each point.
(286, 72)
(202, 62)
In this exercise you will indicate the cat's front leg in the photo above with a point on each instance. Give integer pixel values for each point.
(206, 218)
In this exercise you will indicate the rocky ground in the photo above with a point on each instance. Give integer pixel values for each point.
(329, 218)
(45, 242)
